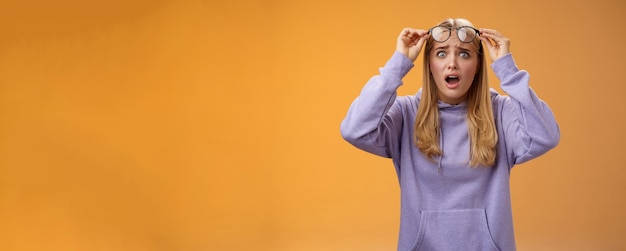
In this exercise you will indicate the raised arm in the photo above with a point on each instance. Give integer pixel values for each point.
(530, 128)
(373, 121)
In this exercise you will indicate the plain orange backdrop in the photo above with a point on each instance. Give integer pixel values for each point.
(214, 125)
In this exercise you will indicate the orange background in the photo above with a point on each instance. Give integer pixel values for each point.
(214, 125)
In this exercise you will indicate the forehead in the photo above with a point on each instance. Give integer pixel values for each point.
(453, 43)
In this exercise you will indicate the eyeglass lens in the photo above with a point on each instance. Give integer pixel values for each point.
(465, 34)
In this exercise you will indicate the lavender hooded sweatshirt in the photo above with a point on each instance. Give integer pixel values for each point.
(446, 205)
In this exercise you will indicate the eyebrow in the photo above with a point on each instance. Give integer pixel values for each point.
(441, 47)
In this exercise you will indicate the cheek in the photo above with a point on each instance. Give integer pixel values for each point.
(435, 64)
(436, 68)
(471, 68)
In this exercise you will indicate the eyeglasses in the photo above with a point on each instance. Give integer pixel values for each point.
(466, 34)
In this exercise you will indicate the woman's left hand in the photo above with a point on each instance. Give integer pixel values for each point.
(497, 44)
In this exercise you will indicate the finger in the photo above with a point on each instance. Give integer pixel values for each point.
(420, 34)
(408, 34)
(491, 46)
(405, 32)
(493, 34)
(488, 35)
(494, 40)
(488, 31)
(487, 41)
(411, 37)
(421, 41)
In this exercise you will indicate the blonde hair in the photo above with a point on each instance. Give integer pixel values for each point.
(481, 126)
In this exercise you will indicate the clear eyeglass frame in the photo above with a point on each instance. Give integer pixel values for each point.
(466, 34)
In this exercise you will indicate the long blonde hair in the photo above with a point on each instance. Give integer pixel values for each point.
(481, 126)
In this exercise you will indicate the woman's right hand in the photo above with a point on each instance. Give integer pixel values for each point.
(410, 42)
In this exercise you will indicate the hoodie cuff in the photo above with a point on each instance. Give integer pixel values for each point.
(397, 67)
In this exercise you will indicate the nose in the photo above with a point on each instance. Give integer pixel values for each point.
(452, 64)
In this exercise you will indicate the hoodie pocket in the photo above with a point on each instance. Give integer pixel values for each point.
(464, 229)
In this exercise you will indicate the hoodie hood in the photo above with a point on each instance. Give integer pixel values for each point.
(442, 105)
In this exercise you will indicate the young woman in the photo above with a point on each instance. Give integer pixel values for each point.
(453, 143)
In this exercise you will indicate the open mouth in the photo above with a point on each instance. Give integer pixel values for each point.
(452, 79)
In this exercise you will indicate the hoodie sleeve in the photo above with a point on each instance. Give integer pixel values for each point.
(374, 119)
(530, 128)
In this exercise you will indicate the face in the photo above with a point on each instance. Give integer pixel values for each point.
(453, 65)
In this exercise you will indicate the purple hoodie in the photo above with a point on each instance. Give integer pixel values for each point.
(458, 208)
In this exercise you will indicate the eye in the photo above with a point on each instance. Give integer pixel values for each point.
(464, 54)
(441, 54)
